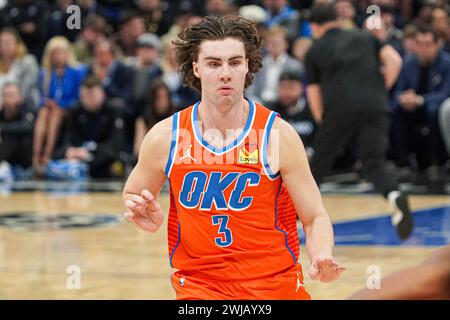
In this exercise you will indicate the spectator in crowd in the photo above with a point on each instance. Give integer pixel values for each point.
(181, 21)
(394, 35)
(440, 23)
(280, 13)
(423, 86)
(90, 8)
(60, 81)
(218, 7)
(146, 66)
(391, 7)
(387, 32)
(16, 127)
(293, 107)
(94, 28)
(300, 47)
(182, 96)
(255, 13)
(346, 13)
(95, 131)
(425, 14)
(158, 106)
(57, 21)
(28, 17)
(155, 18)
(131, 27)
(115, 76)
(112, 10)
(19, 66)
(409, 39)
(265, 85)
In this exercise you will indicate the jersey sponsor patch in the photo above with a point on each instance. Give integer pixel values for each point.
(248, 154)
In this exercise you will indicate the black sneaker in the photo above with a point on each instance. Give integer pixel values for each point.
(401, 215)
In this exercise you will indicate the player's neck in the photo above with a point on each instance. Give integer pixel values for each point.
(223, 117)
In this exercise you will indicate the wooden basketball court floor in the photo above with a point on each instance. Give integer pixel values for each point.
(44, 234)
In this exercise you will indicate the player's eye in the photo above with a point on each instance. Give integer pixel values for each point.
(213, 64)
(235, 63)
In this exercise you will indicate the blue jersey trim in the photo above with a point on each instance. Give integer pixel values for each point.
(173, 144)
(284, 232)
(176, 246)
(272, 117)
(236, 142)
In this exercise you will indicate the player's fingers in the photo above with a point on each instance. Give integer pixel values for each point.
(129, 216)
(313, 272)
(138, 199)
(332, 275)
(147, 195)
(151, 201)
(136, 208)
(153, 205)
(340, 268)
(130, 204)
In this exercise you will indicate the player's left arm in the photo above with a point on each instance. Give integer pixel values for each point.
(296, 174)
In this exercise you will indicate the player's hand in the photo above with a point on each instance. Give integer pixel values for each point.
(325, 269)
(144, 211)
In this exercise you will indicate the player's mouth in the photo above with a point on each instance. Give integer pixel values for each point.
(225, 90)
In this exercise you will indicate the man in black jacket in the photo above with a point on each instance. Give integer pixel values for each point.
(348, 96)
(95, 130)
(16, 127)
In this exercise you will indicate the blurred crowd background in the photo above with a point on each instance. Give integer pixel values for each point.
(77, 103)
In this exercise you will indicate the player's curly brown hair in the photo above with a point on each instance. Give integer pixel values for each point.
(217, 28)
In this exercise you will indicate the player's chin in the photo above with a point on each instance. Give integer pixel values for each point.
(225, 99)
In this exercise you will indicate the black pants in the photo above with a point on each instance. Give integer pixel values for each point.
(417, 133)
(369, 130)
(16, 150)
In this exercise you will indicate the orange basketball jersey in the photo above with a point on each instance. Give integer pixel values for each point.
(230, 217)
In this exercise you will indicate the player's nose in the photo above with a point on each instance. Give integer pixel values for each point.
(226, 73)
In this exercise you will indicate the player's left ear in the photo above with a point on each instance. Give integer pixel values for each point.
(246, 65)
(195, 69)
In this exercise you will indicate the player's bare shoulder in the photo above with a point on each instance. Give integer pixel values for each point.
(285, 134)
(285, 140)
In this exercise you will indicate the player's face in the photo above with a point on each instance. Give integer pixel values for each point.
(222, 67)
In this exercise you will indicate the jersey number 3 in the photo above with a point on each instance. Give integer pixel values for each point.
(226, 237)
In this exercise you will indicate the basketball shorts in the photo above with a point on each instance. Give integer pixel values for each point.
(287, 285)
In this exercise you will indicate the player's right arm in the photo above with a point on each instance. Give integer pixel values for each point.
(142, 188)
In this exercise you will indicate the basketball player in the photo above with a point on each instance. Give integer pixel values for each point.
(232, 219)
(429, 280)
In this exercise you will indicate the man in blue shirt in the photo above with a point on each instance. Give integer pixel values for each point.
(423, 85)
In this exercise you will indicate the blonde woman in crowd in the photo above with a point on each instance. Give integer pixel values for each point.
(19, 66)
(60, 80)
